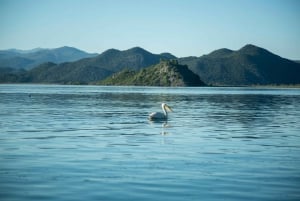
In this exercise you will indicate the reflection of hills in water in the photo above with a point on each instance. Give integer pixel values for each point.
(241, 107)
(245, 114)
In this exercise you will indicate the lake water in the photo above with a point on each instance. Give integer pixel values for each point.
(95, 143)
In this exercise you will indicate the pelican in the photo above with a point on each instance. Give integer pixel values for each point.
(159, 115)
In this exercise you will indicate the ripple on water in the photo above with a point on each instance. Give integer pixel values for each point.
(95, 143)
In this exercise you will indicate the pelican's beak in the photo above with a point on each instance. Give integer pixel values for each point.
(168, 108)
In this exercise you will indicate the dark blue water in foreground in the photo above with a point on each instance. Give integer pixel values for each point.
(95, 143)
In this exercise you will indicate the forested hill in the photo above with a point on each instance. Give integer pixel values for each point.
(251, 65)
(166, 73)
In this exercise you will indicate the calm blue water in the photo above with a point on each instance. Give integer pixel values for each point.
(95, 143)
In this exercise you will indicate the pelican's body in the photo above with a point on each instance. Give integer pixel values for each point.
(159, 115)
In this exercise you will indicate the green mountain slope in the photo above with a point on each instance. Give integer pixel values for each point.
(250, 65)
(166, 73)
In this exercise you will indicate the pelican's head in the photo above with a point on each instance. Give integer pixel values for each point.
(166, 107)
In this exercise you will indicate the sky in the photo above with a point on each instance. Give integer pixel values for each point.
(181, 27)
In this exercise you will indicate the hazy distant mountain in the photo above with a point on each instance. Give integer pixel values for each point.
(18, 51)
(28, 59)
(250, 65)
(165, 73)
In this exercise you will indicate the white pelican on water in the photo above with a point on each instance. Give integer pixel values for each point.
(159, 115)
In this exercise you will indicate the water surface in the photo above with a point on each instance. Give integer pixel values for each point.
(95, 143)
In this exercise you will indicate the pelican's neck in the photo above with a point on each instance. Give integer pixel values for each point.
(164, 109)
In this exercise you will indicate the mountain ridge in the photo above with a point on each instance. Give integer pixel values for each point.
(249, 65)
(90, 70)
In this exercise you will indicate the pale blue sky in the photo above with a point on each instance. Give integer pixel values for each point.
(181, 27)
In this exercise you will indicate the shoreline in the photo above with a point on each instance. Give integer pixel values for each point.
(280, 86)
